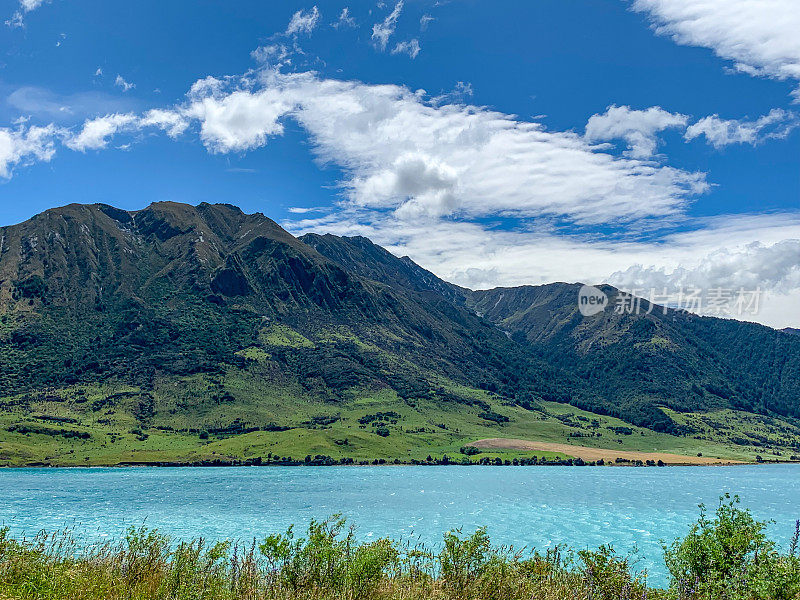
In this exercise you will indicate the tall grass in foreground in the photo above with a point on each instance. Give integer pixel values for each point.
(725, 557)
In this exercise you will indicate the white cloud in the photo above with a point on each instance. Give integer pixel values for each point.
(301, 210)
(170, 121)
(424, 21)
(46, 105)
(303, 22)
(440, 182)
(25, 145)
(410, 47)
(639, 128)
(25, 6)
(495, 163)
(479, 256)
(96, 133)
(722, 132)
(759, 36)
(125, 85)
(98, 72)
(239, 120)
(754, 265)
(401, 152)
(404, 153)
(767, 274)
(344, 20)
(381, 32)
(458, 95)
(272, 55)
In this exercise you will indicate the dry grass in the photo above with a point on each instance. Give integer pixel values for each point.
(594, 454)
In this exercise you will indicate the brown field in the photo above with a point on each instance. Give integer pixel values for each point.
(593, 454)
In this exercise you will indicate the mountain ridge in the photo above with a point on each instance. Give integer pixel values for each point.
(92, 294)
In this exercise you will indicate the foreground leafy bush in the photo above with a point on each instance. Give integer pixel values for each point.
(328, 560)
(724, 558)
(609, 575)
(730, 557)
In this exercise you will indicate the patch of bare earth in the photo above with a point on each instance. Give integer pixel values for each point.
(593, 454)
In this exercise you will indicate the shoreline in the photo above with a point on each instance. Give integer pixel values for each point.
(301, 464)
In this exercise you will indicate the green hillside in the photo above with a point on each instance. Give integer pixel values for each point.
(187, 334)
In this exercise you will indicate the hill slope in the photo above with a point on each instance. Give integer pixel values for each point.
(636, 362)
(184, 333)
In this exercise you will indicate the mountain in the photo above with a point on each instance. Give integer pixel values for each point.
(125, 334)
(636, 363)
(93, 291)
(359, 255)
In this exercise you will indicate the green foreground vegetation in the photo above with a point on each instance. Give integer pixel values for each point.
(725, 556)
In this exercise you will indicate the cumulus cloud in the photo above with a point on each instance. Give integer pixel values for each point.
(460, 250)
(239, 120)
(723, 132)
(381, 32)
(170, 121)
(429, 186)
(763, 276)
(752, 266)
(96, 133)
(759, 37)
(303, 22)
(24, 145)
(410, 47)
(402, 152)
(638, 128)
(494, 161)
(125, 85)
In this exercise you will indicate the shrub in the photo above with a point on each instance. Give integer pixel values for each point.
(463, 560)
(490, 415)
(328, 559)
(730, 557)
(608, 576)
(727, 558)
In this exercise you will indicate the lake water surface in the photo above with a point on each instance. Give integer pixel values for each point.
(525, 506)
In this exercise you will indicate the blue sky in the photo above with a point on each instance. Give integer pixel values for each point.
(646, 143)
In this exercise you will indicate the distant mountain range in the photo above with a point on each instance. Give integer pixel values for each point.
(92, 293)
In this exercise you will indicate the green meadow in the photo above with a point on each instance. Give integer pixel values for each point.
(240, 415)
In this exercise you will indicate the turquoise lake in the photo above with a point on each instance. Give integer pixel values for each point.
(524, 506)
